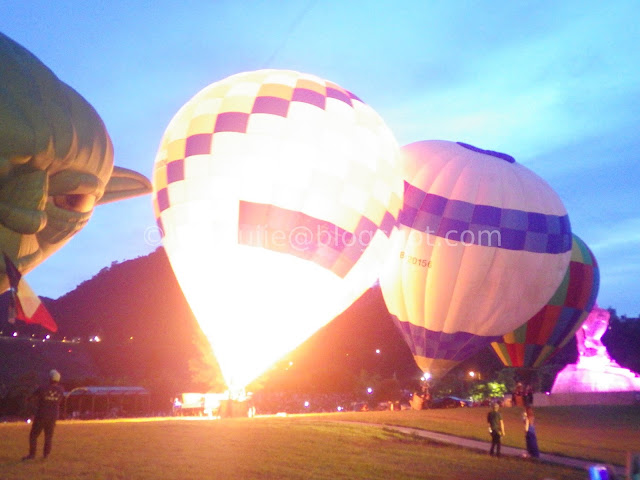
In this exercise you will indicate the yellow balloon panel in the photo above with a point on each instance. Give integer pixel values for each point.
(276, 192)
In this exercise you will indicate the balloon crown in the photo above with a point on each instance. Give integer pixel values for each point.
(502, 156)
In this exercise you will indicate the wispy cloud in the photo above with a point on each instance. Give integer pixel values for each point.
(620, 234)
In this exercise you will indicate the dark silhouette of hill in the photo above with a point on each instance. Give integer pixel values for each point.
(135, 298)
(137, 308)
(149, 336)
(28, 357)
(362, 343)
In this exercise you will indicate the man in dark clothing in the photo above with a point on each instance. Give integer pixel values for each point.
(48, 400)
(496, 428)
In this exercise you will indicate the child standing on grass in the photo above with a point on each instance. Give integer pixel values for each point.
(496, 429)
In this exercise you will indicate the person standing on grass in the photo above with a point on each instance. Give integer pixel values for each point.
(530, 437)
(48, 400)
(496, 429)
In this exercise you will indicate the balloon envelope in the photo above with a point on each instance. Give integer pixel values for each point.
(482, 243)
(56, 161)
(531, 344)
(276, 192)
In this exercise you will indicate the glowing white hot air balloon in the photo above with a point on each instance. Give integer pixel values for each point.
(276, 192)
(482, 245)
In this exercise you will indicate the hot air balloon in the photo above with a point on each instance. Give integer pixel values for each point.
(482, 243)
(56, 161)
(276, 192)
(531, 344)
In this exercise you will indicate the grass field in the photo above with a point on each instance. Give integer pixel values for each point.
(602, 433)
(307, 447)
(259, 448)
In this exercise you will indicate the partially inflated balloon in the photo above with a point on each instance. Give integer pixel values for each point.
(276, 192)
(482, 244)
(557, 322)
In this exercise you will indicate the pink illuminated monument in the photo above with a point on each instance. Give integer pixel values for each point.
(595, 371)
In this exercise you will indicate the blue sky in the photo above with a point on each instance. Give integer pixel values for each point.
(556, 84)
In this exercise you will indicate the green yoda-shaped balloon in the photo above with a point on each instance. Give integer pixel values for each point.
(56, 161)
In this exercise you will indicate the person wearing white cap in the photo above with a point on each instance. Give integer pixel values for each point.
(48, 398)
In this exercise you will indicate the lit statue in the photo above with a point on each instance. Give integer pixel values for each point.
(595, 371)
(56, 161)
(589, 335)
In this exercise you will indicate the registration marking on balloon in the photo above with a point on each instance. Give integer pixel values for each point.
(419, 262)
(276, 192)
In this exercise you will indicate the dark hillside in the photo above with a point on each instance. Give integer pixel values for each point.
(149, 336)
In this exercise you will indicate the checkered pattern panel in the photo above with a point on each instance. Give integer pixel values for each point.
(278, 105)
(306, 237)
(484, 225)
(456, 346)
(540, 327)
